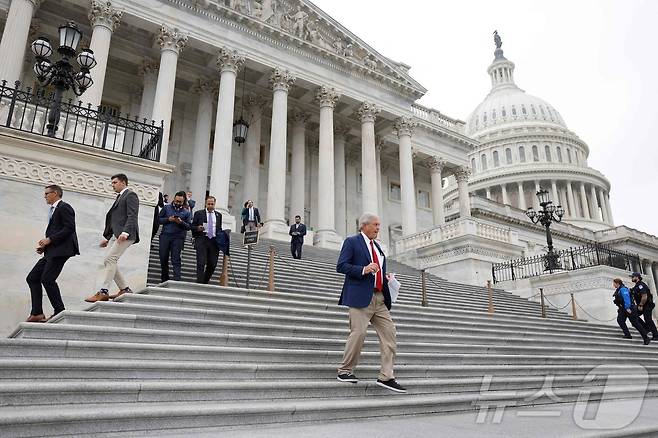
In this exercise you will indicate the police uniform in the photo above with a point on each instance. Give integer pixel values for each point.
(638, 290)
(626, 310)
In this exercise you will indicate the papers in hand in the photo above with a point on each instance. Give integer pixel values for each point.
(393, 287)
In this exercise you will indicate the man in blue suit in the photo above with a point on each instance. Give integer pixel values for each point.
(366, 293)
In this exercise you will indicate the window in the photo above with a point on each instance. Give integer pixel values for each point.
(547, 150)
(423, 199)
(394, 192)
(559, 154)
(523, 110)
(513, 110)
(569, 156)
(483, 160)
(473, 169)
(493, 114)
(541, 108)
(576, 156)
(508, 156)
(503, 112)
(535, 153)
(496, 159)
(534, 111)
(484, 118)
(522, 154)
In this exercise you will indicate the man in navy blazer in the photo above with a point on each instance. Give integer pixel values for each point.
(366, 293)
(206, 226)
(297, 231)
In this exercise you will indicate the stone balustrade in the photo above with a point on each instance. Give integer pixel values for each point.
(434, 116)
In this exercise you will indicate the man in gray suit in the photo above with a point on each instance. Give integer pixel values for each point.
(120, 222)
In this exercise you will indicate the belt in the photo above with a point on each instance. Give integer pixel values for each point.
(377, 290)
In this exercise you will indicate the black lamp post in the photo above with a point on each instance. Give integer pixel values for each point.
(546, 216)
(241, 126)
(61, 74)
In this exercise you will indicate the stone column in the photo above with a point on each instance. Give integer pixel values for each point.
(503, 191)
(340, 139)
(251, 183)
(298, 165)
(104, 18)
(199, 176)
(380, 168)
(535, 201)
(573, 211)
(149, 74)
(554, 192)
(594, 204)
(171, 43)
(522, 204)
(462, 175)
(229, 63)
(487, 193)
(436, 165)
(326, 236)
(583, 201)
(275, 225)
(606, 199)
(14, 39)
(368, 112)
(404, 127)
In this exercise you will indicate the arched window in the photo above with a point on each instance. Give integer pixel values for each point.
(534, 111)
(523, 110)
(513, 110)
(503, 112)
(473, 169)
(493, 114)
(508, 156)
(522, 154)
(535, 153)
(483, 161)
(569, 156)
(559, 154)
(484, 118)
(496, 159)
(547, 150)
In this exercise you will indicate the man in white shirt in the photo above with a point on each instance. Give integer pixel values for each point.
(250, 217)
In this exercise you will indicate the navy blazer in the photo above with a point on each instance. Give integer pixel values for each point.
(61, 232)
(358, 288)
(302, 232)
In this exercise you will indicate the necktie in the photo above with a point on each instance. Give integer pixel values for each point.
(379, 282)
(50, 212)
(115, 201)
(211, 225)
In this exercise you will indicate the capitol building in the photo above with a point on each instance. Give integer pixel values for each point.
(334, 129)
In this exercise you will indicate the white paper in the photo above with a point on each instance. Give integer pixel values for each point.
(393, 286)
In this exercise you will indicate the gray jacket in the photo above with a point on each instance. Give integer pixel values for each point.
(123, 217)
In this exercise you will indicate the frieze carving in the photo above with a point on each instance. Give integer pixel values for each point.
(170, 38)
(103, 13)
(69, 179)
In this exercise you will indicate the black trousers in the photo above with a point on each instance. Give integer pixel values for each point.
(207, 254)
(45, 272)
(649, 325)
(170, 245)
(622, 315)
(296, 249)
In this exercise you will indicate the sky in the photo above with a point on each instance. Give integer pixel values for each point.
(595, 61)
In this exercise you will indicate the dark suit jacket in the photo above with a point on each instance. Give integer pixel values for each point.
(358, 288)
(123, 217)
(201, 217)
(61, 232)
(302, 232)
(245, 216)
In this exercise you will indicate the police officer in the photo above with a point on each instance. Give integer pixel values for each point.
(644, 301)
(626, 309)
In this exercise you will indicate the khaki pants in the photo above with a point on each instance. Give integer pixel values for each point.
(110, 268)
(378, 315)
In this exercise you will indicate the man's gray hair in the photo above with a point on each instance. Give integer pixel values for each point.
(366, 218)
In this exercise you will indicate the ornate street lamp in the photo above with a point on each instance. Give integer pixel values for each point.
(61, 74)
(546, 216)
(241, 126)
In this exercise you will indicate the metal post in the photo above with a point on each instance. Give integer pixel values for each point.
(490, 292)
(12, 105)
(223, 279)
(543, 309)
(573, 308)
(423, 286)
(270, 281)
(248, 264)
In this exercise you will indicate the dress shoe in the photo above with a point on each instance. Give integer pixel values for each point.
(36, 318)
(98, 296)
(125, 290)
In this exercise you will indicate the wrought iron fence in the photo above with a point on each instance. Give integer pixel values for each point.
(567, 260)
(27, 110)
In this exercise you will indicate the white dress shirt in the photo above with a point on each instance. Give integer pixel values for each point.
(380, 256)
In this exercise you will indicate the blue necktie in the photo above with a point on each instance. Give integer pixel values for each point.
(50, 212)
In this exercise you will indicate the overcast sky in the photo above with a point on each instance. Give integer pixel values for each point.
(595, 61)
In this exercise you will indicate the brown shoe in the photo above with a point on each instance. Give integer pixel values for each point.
(125, 290)
(98, 296)
(36, 318)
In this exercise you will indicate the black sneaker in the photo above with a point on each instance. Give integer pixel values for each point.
(646, 341)
(628, 337)
(347, 378)
(392, 385)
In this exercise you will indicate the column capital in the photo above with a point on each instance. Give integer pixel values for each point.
(205, 86)
(170, 38)
(435, 164)
(327, 96)
(299, 116)
(462, 174)
(36, 3)
(229, 60)
(35, 29)
(405, 126)
(368, 112)
(256, 103)
(281, 79)
(341, 130)
(103, 13)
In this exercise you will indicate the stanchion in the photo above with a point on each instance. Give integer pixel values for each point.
(573, 308)
(543, 307)
(490, 292)
(223, 279)
(270, 281)
(423, 301)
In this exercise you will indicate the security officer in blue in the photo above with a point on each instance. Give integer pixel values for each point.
(644, 302)
(626, 310)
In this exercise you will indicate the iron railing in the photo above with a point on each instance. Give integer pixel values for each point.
(569, 259)
(27, 110)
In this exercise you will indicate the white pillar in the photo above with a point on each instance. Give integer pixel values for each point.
(604, 207)
(583, 201)
(171, 43)
(436, 165)
(251, 176)
(573, 211)
(298, 165)
(199, 176)
(606, 198)
(14, 39)
(405, 127)
(536, 198)
(340, 139)
(275, 224)
(594, 204)
(369, 190)
(462, 175)
(326, 236)
(487, 193)
(149, 74)
(383, 220)
(556, 195)
(522, 203)
(229, 63)
(104, 18)
(503, 191)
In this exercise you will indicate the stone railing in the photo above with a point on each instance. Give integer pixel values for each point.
(623, 232)
(434, 116)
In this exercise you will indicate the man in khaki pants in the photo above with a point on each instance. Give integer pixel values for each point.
(120, 222)
(366, 293)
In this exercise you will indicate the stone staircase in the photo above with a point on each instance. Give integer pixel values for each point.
(188, 358)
